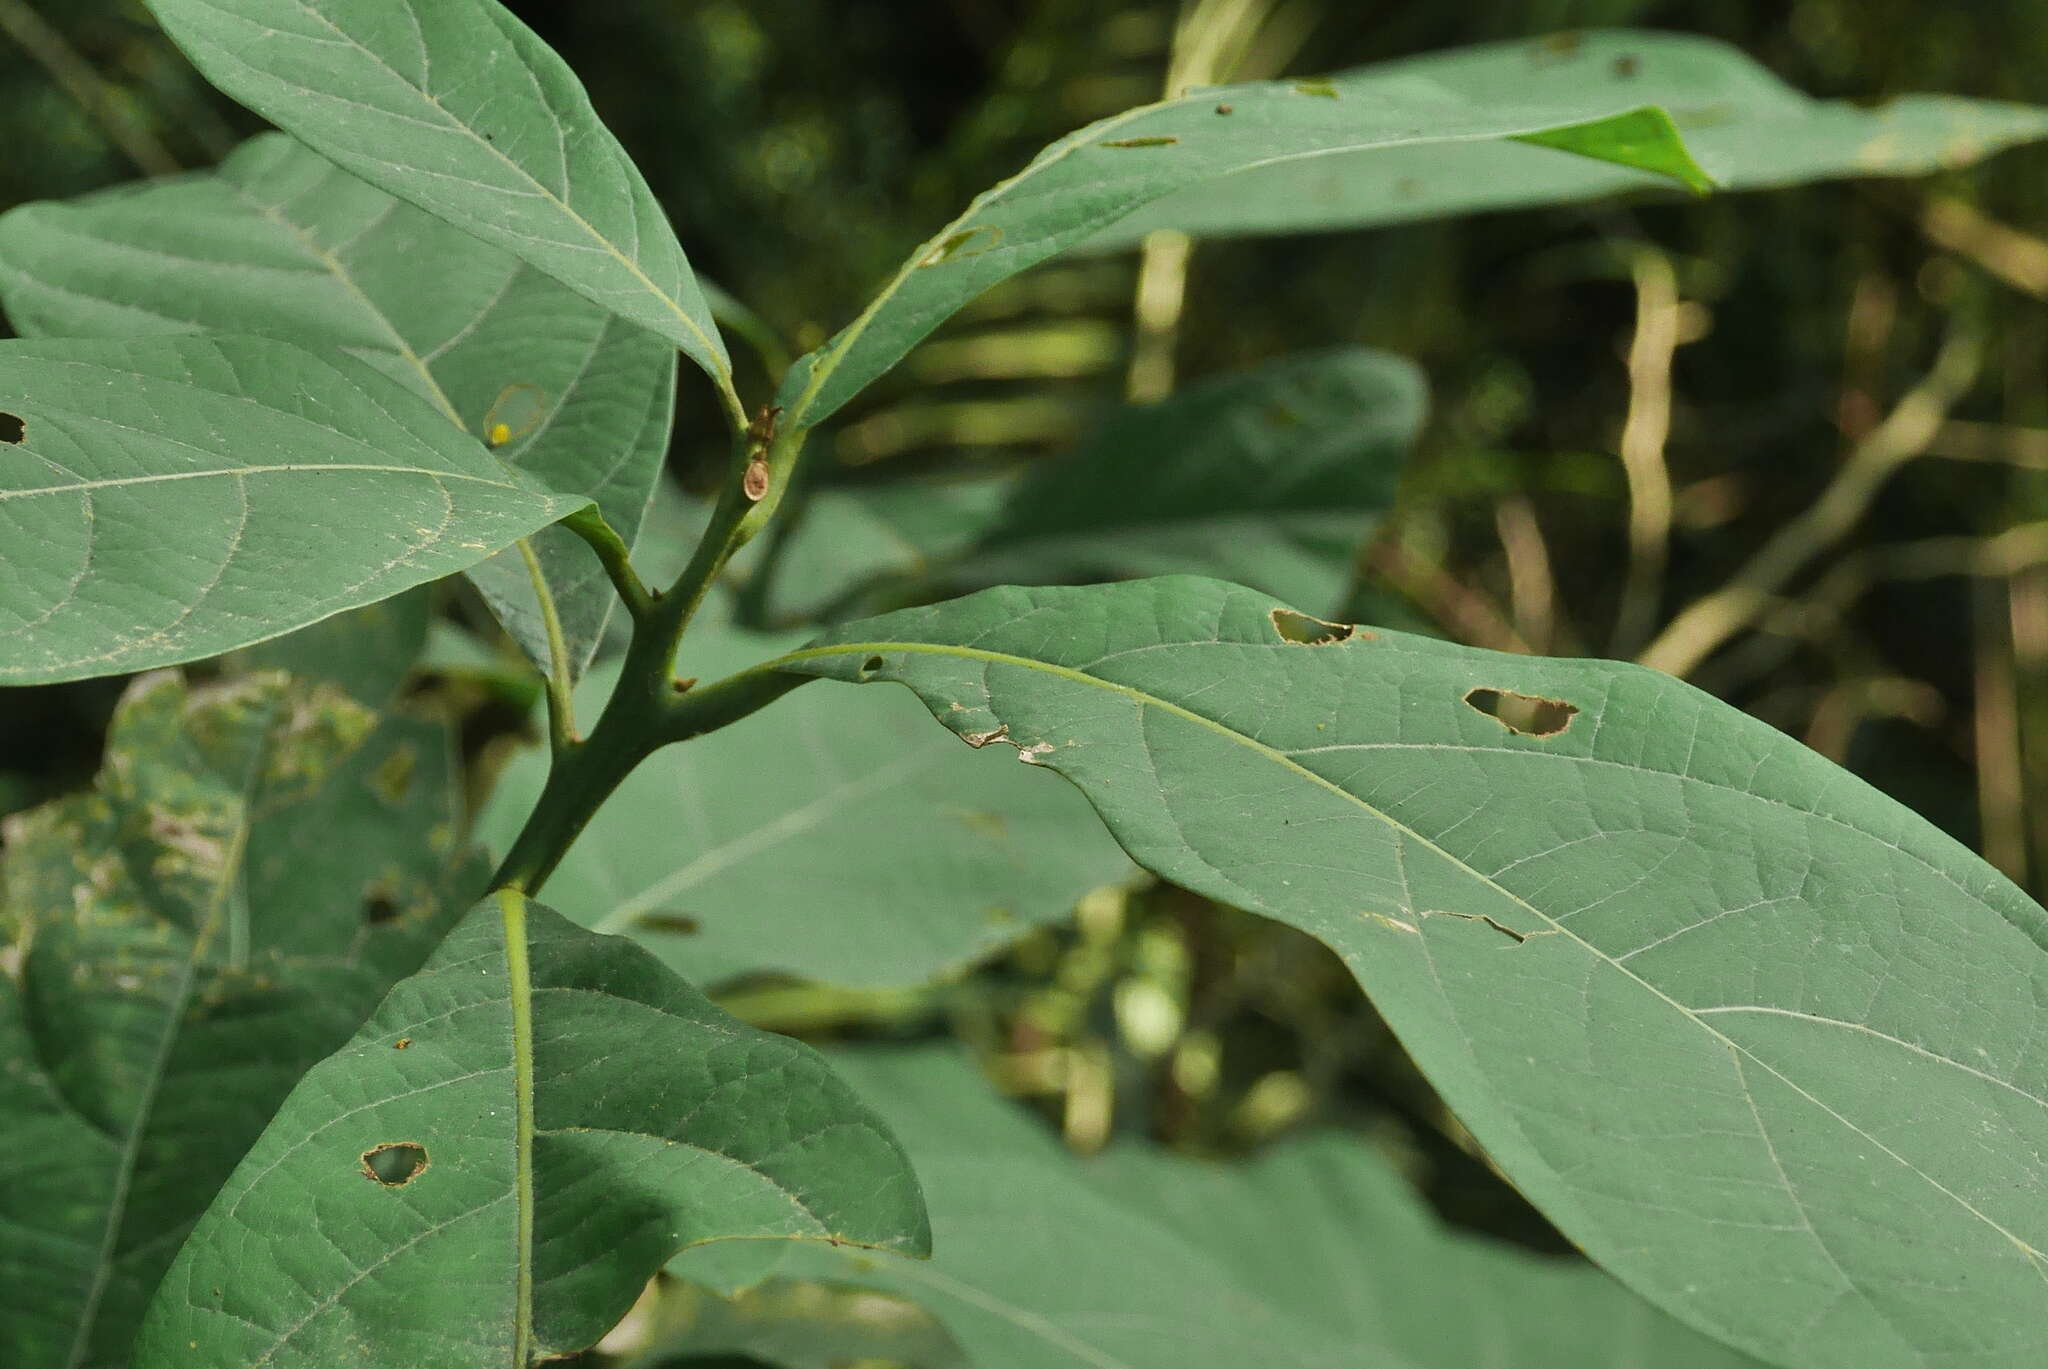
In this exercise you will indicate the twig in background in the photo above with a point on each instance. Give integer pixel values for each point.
(50, 50)
(1851, 703)
(2001, 794)
(1532, 587)
(1708, 622)
(2019, 259)
(1643, 436)
(1469, 615)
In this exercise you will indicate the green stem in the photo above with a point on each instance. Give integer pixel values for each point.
(561, 708)
(612, 553)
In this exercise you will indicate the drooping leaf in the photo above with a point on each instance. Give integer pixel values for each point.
(260, 861)
(1270, 478)
(281, 242)
(457, 107)
(838, 837)
(1761, 1040)
(516, 1140)
(1091, 179)
(1315, 1254)
(173, 498)
(1744, 126)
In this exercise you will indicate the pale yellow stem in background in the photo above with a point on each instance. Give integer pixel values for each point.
(1707, 624)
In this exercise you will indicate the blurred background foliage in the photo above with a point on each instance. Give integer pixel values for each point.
(1750, 346)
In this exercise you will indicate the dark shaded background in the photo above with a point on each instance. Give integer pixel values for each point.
(804, 146)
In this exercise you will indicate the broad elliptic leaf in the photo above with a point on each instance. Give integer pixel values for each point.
(260, 861)
(1081, 185)
(838, 837)
(173, 498)
(1762, 1041)
(511, 1146)
(1270, 478)
(457, 107)
(1315, 1254)
(280, 241)
(1744, 126)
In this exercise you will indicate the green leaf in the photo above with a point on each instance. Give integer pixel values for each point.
(1734, 1020)
(1081, 185)
(842, 539)
(260, 861)
(518, 1138)
(927, 854)
(281, 242)
(457, 107)
(173, 498)
(1269, 477)
(1316, 1254)
(1743, 126)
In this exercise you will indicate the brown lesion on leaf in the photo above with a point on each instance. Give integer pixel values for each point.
(1525, 715)
(392, 779)
(395, 1164)
(1302, 630)
(1509, 932)
(977, 740)
(968, 242)
(379, 907)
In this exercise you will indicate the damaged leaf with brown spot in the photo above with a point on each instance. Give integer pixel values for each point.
(518, 1196)
(188, 940)
(1674, 970)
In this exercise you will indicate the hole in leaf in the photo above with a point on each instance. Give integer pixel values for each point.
(379, 908)
(1525, 714)
(1303, 630)
(13, 428)
(395, 1163)
(968, 242)
(871, 665)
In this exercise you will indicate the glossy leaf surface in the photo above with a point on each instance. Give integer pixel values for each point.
(260, 861)
(279, 241)
(457, 107)
(515, 1141)
(172, 498)
(1761, 1040)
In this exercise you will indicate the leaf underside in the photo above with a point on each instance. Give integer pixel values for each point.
(281, 242)
(175, 497)
(1730, 1017)
(401, 1209)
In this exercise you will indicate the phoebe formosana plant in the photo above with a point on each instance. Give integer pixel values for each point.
(295, 1075)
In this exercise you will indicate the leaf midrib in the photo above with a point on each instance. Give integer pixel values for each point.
(1552, 926)
(605, 244)
(1091, 135)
